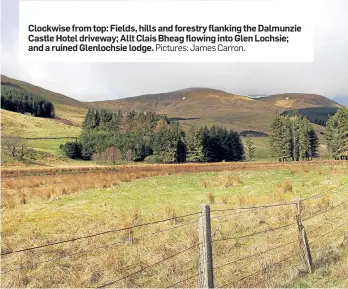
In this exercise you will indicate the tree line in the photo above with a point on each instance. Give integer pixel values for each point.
(293, 138)
(18, 100)
(336, 134)
(146, 136)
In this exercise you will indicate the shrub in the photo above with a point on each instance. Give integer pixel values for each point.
(153, 159)
(72, 150)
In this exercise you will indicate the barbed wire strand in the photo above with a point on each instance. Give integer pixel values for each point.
(334, 229)
(184, 280)
(254, 255)
(255, 207)
(96, 234)
(277, 274)
(276, 205)
(329, 243)
(245, 277)
(152, 265)
(326, 222)
(253, 234)
(274, 240)
(96, 249)
(322, 193)
(233, 214)
(323, 212)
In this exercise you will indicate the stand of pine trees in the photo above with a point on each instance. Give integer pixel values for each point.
(138, 136)
(293, 138)
(336, 134)
(18, 100)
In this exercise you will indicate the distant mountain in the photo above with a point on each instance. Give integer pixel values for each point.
(205, 106)
(299, 100)
(256, 96)
(192, 106)
(317, 115)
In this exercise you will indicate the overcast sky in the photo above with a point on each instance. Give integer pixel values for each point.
(327, 76)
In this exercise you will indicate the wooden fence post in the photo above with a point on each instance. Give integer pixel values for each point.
(302, 236)
(206, 273)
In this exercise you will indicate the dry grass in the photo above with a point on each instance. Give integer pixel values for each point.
(221, 181)
(132, 250)
(46, 184)
(285, 187)
(17, 191)
(211, 198)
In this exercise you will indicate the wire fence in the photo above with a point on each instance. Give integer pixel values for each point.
(243, 255)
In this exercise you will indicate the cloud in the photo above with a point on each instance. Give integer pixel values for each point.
(98, 81)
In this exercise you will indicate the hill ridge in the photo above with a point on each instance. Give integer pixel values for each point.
(192, 106)
(50, 95)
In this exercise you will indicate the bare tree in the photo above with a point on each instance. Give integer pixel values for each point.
(14, 147)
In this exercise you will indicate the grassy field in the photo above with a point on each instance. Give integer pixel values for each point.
(20, 125)
(73, 114)
(66, 108)
(131, 196)
(47, 145)
(26, 126)
(262, 149)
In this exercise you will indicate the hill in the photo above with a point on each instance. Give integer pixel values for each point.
(200, 106)
(192, 106)
(318, 115)
(14, 124)
(204, 106)
(298, 100)
(27, 126)
(67, 109)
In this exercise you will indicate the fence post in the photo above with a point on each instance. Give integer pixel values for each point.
(302, 236)
(206, 273)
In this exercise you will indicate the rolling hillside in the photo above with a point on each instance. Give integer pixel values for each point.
(67, 109)
(298, 100)
(199, 106)
(318, 115)
(191, 106)
(26, 126)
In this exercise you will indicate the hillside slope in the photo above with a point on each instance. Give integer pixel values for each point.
(66, 108)
(191, 106)
(22, 125)
(200, 106)
(298, 100)
(204, 106)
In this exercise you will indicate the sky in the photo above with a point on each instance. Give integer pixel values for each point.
(327, 75)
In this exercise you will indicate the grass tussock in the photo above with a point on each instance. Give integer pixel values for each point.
(170, 213)
(224, 200)
(221, 181)
(211, 198)
(324, 203)
(285, 187)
